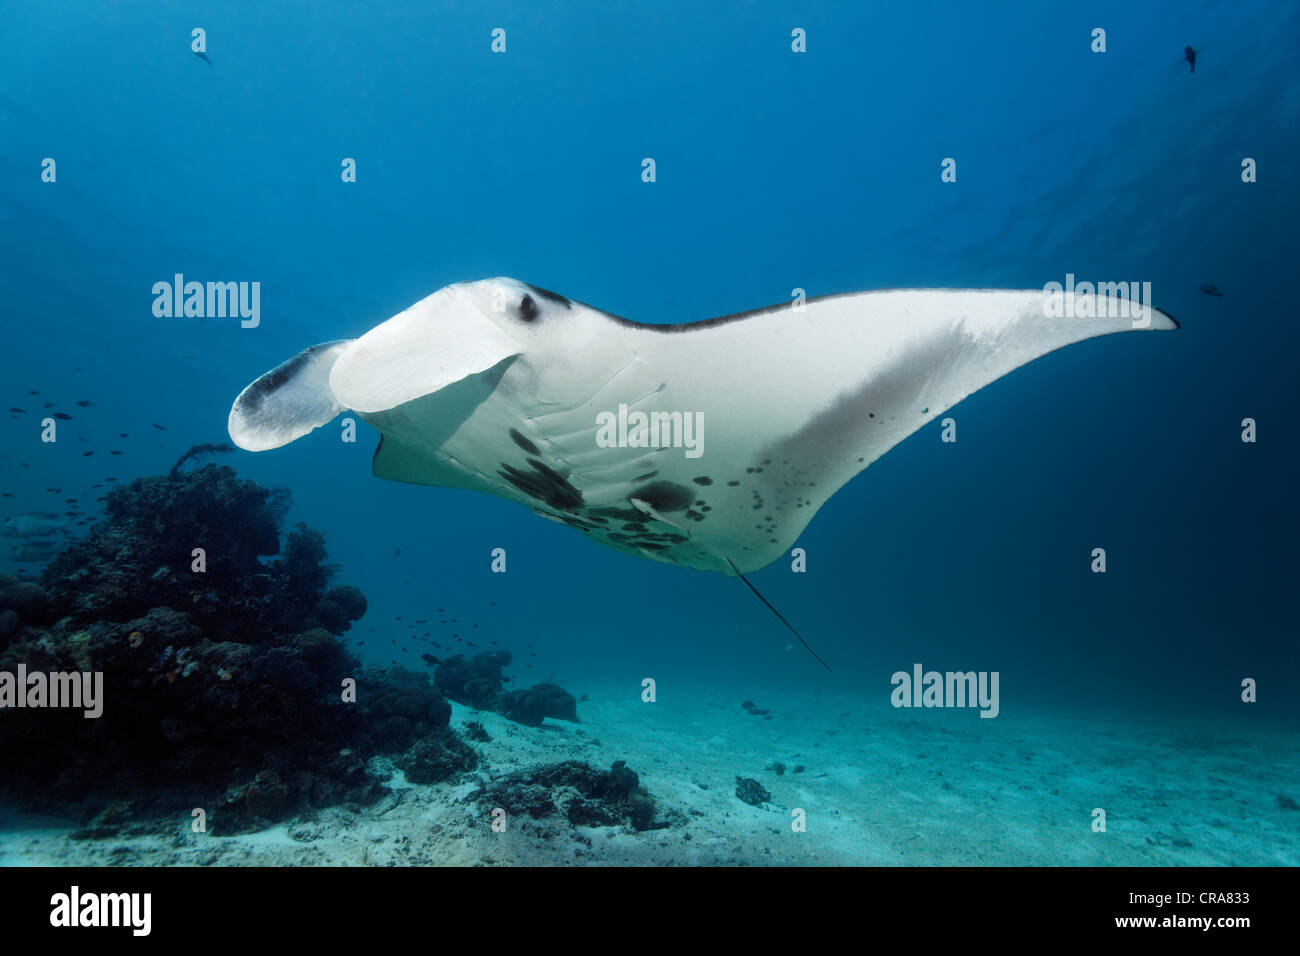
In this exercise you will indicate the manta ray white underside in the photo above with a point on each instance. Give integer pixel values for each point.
(505, 388)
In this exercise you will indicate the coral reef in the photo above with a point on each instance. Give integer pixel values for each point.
(222, 668)
(752, 792)
(582, 794)
(477, 682)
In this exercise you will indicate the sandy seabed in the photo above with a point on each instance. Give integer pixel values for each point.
(879, 787)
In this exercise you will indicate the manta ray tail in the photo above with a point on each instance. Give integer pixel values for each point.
(779, 616)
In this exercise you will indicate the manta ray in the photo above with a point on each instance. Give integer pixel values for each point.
(505, 388)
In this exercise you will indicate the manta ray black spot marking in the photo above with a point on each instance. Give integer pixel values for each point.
(664, 496)
(635, 526)
(544, 484)
(646, 477)
(523, 442)
(273, 380)
(733, 484)
(703, 480)
(654, 547)
(550, 296)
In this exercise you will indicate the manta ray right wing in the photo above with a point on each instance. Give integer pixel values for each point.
(795, 403)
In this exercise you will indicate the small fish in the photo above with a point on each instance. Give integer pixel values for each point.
(429, 659)
(1209, 289)
(159, 427)
(1190, 56)
(6, 494)
(20, 411)
(32, 391)
(48, 405)
(84, 403)
(123, 435)
(86, 454)
(63, 416)
(115, 453)
(110, 479)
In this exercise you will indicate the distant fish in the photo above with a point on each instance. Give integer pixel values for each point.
(86, 454)
(84, 403)
(123, 435)
(1190, 56)
(20, 411)
(32, 524)
(63, 416)
(115, 453)
(32, 391)
(1211, 290)
(159, 427)
(48, 405)
(6, 494)
(34, 551)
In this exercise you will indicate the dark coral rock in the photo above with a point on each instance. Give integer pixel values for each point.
(352, 601)
(476, 731)
(524, 707)
(23, 597)
(402, 706)
(437, 758)
(218, 690)
(584, 795)
(475, 682)
(531, 705)
(752, 792)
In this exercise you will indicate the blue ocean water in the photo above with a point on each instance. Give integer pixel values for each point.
(775, 170)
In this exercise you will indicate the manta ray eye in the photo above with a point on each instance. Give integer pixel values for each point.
(527, 308)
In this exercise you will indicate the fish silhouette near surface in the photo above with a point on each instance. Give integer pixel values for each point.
(1190, 56)
(1210, 289)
